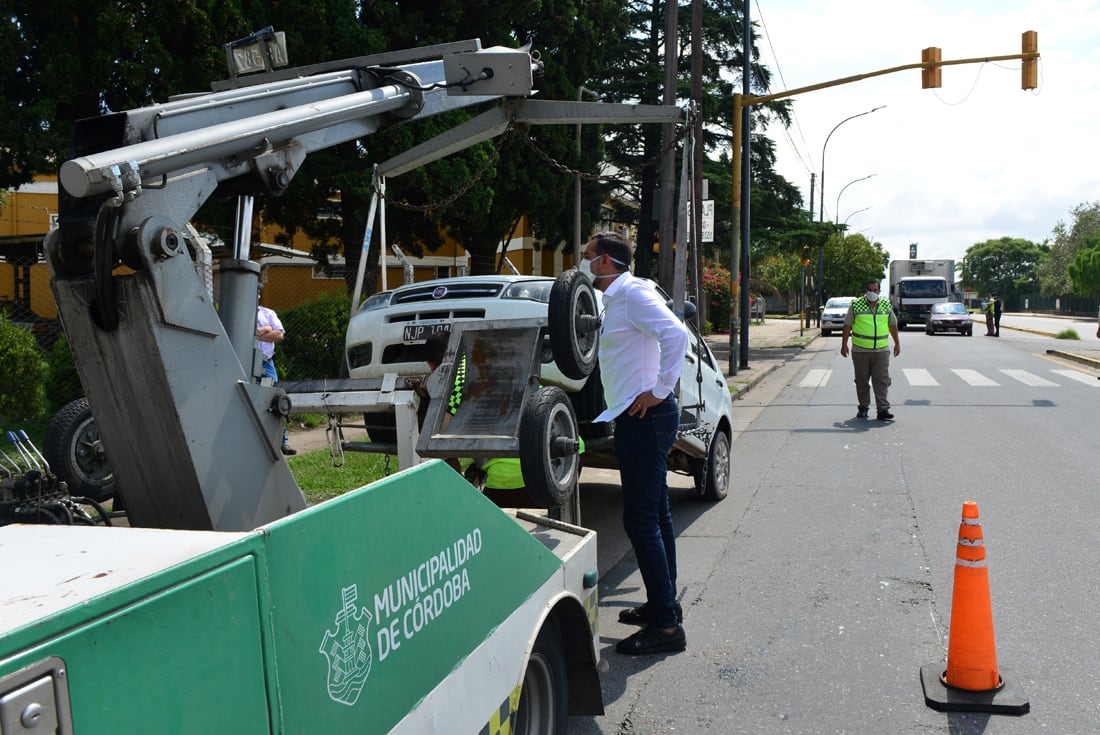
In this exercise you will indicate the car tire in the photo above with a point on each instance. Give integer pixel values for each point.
(76, 454)
(826, 332)
(573, 319)
(550, 477)
(712, 477)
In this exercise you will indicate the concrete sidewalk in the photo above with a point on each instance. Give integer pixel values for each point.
(771, 344)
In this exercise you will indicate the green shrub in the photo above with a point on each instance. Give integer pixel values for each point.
(21, 373)
(314, 344)
(1067, 334)
(62, 382)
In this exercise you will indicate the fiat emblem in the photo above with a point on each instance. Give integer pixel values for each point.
(439, 292)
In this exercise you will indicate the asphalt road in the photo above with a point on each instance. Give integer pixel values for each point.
(816, 591)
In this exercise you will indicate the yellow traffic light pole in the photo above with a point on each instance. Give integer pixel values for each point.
(930, 65)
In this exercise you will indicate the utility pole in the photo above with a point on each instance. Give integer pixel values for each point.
(697, 195)
(668, 160)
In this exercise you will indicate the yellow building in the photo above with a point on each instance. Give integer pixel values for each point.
(292, 277)
(26, 215)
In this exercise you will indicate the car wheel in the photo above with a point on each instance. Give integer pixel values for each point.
(826, 332)
(547, 447)
(76, 454)
(543, 701)
(573, 319)
(712, 477)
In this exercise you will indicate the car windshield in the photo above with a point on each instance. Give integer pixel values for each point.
(838, 303)
(948, 309)
(923, 288)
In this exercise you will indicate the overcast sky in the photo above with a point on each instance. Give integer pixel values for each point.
(975, 160)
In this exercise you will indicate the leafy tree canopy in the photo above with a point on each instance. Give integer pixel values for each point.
(1084, 271)
(1068, 239)
(850, 261)
(1007, 265)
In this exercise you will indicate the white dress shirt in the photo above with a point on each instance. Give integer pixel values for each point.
(642, 344)
(265, 317)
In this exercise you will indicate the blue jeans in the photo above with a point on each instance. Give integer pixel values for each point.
(268, 366)
(641, 446)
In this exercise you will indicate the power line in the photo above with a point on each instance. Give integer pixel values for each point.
(809, 167)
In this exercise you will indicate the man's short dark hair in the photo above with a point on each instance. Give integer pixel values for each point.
(874, 281)
(615, 245)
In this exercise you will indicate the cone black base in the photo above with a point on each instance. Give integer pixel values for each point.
(1007, 699)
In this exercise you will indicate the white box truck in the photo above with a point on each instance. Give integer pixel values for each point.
(915, 285)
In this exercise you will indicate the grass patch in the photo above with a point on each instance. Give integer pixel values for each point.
(35, 428)
(1067, 334)
(321, 481)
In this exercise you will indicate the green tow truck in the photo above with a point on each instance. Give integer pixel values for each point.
(412, 605)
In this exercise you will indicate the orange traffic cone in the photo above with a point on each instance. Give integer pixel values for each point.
(971, 681)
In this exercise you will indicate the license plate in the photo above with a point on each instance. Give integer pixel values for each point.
(415, 333)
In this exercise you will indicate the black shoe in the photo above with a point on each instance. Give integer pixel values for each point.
(640, 615)
(288, 451)
(862, 412)
(885, 416)
(653, 640)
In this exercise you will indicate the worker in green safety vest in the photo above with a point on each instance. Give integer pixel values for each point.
(870, 322)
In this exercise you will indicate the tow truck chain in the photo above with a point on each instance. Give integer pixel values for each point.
(704, 429)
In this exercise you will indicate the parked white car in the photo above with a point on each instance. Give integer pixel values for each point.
(389, 332)
(832, 316)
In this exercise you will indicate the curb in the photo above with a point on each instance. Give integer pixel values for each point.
(740, 389)
(1074, 357)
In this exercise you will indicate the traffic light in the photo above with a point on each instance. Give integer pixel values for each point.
(1029, 70)
(805, 255)
(930, 75)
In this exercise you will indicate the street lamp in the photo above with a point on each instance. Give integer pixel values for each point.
(853, 214)
(853, 181)
(821, 214)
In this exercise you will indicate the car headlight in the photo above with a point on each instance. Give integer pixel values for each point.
(378, 301)
(529, 291)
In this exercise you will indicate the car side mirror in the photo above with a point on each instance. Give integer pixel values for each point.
(689, 310)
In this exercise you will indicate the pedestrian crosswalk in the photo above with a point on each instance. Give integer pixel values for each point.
(989, 378)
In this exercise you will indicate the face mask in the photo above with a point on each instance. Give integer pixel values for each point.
(585, 267)
(871, 296)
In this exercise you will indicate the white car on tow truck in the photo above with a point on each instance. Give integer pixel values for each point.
(388, 333)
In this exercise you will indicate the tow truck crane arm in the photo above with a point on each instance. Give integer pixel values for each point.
(193, 440)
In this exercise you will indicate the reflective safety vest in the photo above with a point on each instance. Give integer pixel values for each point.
(871, 327)
(455, 399)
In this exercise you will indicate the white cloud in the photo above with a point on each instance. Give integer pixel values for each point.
(978, 158)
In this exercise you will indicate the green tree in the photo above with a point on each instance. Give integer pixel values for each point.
(1084, 271)
(850, 261)
(21, 373)
(634, 73)
(1068, 239)
(62, 60)
(1007, 265)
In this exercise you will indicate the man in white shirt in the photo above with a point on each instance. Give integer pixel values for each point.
(642, 348)
(269, 330)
